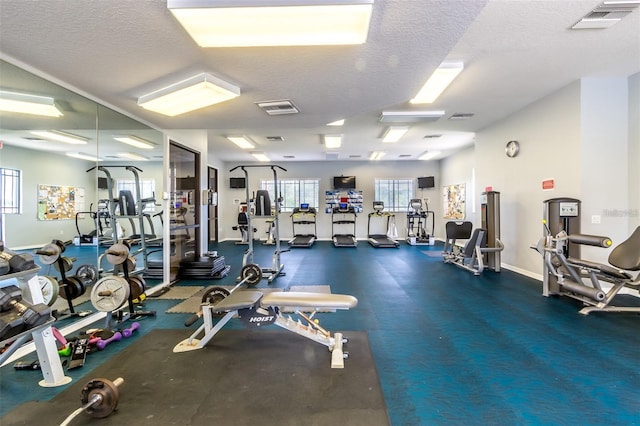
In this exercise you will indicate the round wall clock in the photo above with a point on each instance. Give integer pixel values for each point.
(512, 148)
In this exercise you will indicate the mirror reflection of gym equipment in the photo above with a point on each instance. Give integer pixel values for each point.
(303, 217)
(382, 221)
(417, 227)
(483, 246)
(595, 284)
(259, 205)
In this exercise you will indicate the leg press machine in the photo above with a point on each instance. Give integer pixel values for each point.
(582, 279)
(256, 309)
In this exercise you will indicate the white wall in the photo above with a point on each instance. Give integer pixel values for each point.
(634, 152)
(365, 171)
(581, 136)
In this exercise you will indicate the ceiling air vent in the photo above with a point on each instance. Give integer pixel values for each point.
(355, 156)
(461, 116)
(281, 107)
(331, 155)
(606, 15)
(405, 155)
(431, 136)
(289, 156)
(275, 138)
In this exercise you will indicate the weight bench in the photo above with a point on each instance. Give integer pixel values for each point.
(256, 309)
(581, 279)
(471, 256)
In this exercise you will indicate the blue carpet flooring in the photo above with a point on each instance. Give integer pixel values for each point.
(450, 348)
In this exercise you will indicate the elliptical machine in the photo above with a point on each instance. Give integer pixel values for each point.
(260, 206)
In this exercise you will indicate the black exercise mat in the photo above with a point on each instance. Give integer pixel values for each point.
(242, 377)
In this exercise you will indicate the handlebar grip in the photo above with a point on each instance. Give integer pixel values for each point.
(192, 319)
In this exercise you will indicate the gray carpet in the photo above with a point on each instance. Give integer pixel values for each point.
(243, 377)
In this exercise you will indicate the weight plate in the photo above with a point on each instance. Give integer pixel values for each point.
(136, 285)
(214, 295)
(49, 253)
(49, 287)
(110, 293)
(74, 286)
(251, 273)
(117, 253)
(109, 393)
(66, 262)
(130, 264)
(88, 274)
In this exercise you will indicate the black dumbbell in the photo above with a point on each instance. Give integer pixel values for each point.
(17, 262)
(31, 315)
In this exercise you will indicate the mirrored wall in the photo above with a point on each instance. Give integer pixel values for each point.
(79, 173)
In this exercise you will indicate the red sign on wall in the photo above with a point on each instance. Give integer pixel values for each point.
(548, 184)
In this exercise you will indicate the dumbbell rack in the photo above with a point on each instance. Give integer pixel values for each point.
(45, 344)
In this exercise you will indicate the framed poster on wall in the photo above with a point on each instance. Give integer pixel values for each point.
(454, 197)
(59, 202)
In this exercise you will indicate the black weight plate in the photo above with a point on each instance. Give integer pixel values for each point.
(214, 295)
(88, 274)
(251, 273)
(136, 285)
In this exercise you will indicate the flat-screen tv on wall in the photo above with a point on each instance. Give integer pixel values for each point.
(237, 182)
(344, 182)
(426, 182)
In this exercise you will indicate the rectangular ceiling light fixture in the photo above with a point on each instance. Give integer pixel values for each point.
(135, 141)
(394, 133)
(83, 156)
(438, 82)
(377, 155)
(260, 156)
(409, 116)
(188, 95)
(241, 141)
(28, 104)
(428, 155)
(133, 156)
(336, 123)
(58, 136)
(244, 23)
(332, 141)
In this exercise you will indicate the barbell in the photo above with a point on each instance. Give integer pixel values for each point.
(100, 398)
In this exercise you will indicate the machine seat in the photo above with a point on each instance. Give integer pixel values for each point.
(238, 300)
(627, 254)
(299, 299)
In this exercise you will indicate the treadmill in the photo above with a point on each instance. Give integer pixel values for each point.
(344, 215)
(379, 215)
(303, 216)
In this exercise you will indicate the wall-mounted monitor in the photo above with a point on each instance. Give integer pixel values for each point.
(185, 183)
(103, 183)
(237, 182)
(344, 182)
(426, 182)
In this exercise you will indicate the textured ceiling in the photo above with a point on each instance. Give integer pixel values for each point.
(515, 52)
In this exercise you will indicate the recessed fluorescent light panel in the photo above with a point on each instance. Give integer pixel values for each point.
(438, 82)
(336, 123)
(376, 155)
(428, 155)
(260, 156)
(135, 141)
(28, 104)
(82, 156)
(188, 95)
(243, 23)
(332, 141)
(132, 156)
(241, 141)
(394, 133)
(409, 116)
(58, 136)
